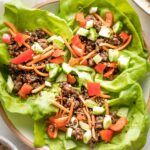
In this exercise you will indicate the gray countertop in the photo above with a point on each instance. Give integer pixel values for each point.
(5, 131)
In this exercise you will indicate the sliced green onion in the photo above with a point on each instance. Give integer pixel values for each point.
(84, 126)
(98, 110)
(97, 58)
(107, 122)
(117, 27)
(10, 84)
(87, 136)
(69, 133)
(113, 55)
(82, 32)
(89, 103)
(36, 47)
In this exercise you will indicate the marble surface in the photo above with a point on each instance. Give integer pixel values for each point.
(5, 131)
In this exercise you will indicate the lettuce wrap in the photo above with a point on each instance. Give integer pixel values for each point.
(135, 50)
(29, 19)
(137, 44)
(133, 135)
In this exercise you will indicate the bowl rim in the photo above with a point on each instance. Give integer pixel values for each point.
(3, 114)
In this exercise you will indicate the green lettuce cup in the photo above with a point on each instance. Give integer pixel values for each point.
(24, 19)
(133, 136)
(131, 61)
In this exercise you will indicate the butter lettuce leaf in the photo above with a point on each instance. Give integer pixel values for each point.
(133, 136)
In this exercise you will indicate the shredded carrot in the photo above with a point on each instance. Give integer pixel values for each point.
(105, 48)
(126, 44)
(11, 32)
(98, 17)
(43, 56)
(60, 106)
(39, 72)
(38, 88)
(26, 45)
(74, 61)
(68, 46)
(109, 73)
(88, 56)
(88, 116)
(108, 45)
(93, 128)
(104, 95)
(11, 26)
(106, 106)
(30, 68)
(48, 32)
(71, 111)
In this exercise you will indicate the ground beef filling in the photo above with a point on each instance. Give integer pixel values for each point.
(69, 95)
(20, 76)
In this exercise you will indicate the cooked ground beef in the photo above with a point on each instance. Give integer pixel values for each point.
(22, 76)
(78, 133)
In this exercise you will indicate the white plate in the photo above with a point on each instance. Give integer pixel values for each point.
(22, 126)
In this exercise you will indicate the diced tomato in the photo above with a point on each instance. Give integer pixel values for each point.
(58, 122)
(119, 125)
(106, 135)
(77, 42)
(124, 36)
(80, 18)
(93, 89)
(109, 73)
(78, 51)
(52, 134)
(58, 60)
(109, 18)
(100, 68)
(71, 79)
(81, 117)
(23, 57)
(6, 38)
(25, 90)
(20, 38)
(58, 52)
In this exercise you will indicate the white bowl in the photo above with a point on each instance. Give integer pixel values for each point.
(5, 142)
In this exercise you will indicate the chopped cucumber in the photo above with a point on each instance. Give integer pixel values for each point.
(107, 122)
(10, 84)
(123, 112)
(48, 84)
(98, 77)
(36, 47)
(84, 126)
(98, 110)
(92, 34)
(105, 32)
(93, 10)
(53, 70)
(61, 78)
(89, 24)
(55, 37)
(123, 62)
(69, 144)
(117, 27)
(66, 68)
(89, 103)
(97, 58)
(113, 55)
(82, 32)
(87, 136)
(58, 44)
(69, 133)
(104, 11)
